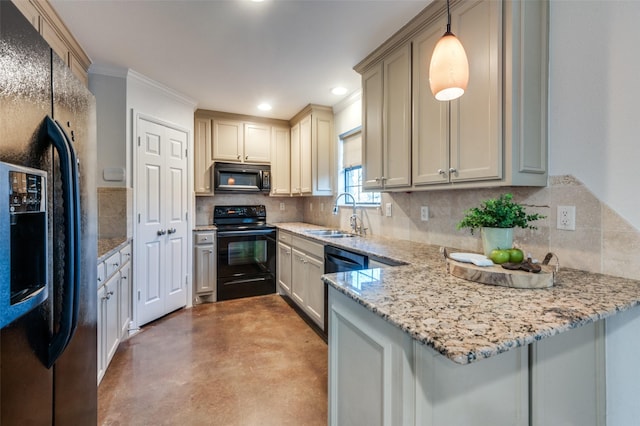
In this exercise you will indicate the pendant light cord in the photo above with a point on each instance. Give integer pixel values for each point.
(448, 19)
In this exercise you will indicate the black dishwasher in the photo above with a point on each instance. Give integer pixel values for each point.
(339, 260)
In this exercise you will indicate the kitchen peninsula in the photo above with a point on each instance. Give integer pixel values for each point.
(412, 343)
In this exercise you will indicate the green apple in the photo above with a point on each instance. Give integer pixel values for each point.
(499, 256)
(515, 255)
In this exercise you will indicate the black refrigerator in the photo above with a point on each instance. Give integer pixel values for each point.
(48, 231)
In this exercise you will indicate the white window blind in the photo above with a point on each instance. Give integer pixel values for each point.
(352, 150)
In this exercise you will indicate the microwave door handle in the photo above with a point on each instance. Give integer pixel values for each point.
(71, 201)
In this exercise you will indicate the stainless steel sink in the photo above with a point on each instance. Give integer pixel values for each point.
(330, 233)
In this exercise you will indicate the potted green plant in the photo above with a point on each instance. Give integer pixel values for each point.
(496, 219)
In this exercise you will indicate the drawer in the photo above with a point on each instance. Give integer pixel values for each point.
(205, 237)
(125, 254)
(308, 246)
(112, 264)
(101, 274)
(285, 237)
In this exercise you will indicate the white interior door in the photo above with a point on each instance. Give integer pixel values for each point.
(161, 228)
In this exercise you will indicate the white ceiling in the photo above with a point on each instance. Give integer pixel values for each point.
(230, 55)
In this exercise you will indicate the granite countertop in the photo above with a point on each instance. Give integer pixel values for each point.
(204, 228)
(463, 320)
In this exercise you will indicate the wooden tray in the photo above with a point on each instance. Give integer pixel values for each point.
(497, 275)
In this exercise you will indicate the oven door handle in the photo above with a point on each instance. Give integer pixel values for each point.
(246, 232)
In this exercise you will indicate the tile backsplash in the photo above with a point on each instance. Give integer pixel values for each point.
(603, 242)
(114, 216)
(292, 206)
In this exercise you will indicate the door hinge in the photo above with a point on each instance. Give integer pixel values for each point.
(138, 217)
(138, 140)
(186, 215)
(186, 153)
(138, 295)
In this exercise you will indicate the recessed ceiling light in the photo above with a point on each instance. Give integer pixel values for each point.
(339, 90)
(257, 1)
(264, 107)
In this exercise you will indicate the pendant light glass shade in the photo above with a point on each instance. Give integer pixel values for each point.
(449, 69)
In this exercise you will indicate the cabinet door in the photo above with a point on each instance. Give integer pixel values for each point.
(205, 269)
(284, 268)
(430, 143)
(476, 117)
(305, 155)
(315, 290)
(280, 161)
(295, 159)
(101, 331)
(202, 157)
(112, 324)
(299, 278)
(124, 300)
(372, 128)
(397, 118)
(322, 152)
(257, 143)
(227, 140)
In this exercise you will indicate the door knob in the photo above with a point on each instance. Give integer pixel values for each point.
(161, 232)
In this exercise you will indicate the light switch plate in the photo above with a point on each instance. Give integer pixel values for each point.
(387, 210)
(281, 206)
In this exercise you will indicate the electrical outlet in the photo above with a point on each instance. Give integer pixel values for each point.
(310, 206)
(424, 213)
(387, 211)
(567, 218)
(321, 207)
(281, 206)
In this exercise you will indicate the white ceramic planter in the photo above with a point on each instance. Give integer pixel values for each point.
(493, 238)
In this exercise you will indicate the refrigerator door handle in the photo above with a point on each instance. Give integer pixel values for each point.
(72, 220)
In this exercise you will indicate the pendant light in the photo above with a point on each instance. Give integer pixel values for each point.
(449, 68)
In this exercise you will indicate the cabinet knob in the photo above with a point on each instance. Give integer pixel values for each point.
(238, 156)
(246, 157)
(124, 277)
(442, 172)
(99, 279)
(452, 170)
(210, 251)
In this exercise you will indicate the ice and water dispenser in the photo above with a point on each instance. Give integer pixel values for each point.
(23, 240)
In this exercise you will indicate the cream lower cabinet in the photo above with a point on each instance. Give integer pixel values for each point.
(114, 305)
(386, 123)
(285, 261)
(300, 268)
(204, 265)
(379, 375)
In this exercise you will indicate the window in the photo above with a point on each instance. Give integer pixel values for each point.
(353, 185)
(351, 169)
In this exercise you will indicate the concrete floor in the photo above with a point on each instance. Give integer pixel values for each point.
(249, 361)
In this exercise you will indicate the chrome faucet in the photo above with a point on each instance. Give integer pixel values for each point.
(353, 220)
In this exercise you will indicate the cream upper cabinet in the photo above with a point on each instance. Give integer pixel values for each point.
(202, 157)
(312, 152)
(280, 161)
(460, 140)
(495, 134)
(387, 122)
(44, 18)
(257, 143)
(242, 142)
(228, 140)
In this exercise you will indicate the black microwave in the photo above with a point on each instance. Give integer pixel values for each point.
(236, 178)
